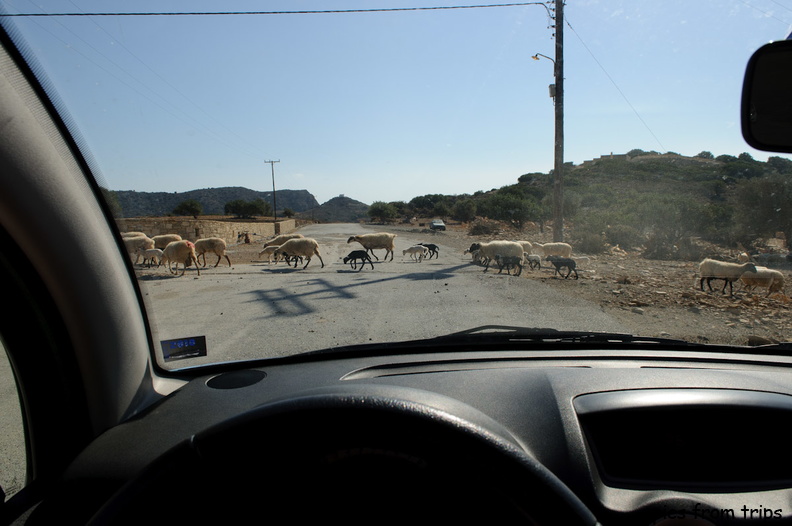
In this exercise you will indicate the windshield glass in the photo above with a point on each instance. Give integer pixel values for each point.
(402, 139)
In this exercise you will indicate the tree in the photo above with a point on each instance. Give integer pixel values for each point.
(382, 211)
(780, 164)
(425, 204)
(288, 212)
(190, 207)
(464, 210)
(762, 206)
(705, 155)
(516, 210)
(246, 209)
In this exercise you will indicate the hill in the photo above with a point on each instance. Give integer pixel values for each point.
(339, 209)
(212, 200)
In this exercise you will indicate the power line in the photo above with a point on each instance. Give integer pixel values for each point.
(662, 148)
(306, 12)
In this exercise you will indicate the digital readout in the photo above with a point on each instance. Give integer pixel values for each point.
(182, 348)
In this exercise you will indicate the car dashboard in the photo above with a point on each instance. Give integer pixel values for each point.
(637, 437)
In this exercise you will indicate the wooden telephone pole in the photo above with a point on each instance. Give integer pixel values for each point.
(558, 171)
(274, 207)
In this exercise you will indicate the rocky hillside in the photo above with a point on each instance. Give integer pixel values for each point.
(212, 200)
(339, 209)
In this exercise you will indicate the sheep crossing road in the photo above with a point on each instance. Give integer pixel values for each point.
(268, 310)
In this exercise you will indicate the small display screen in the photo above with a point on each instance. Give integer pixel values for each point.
(182, 348)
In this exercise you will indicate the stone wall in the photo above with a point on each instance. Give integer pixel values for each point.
(192, 229)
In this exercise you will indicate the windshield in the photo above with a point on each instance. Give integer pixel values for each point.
(445, 165)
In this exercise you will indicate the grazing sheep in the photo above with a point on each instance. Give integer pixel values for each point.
(376, 241)
(281, 239)
(417, 252)
(434, 250)
(561, 262)
(301, 247)
(743, 257)
(134, 243)
(150, 254)
(563, 250)
(764, 277)
(163, 240)
(269, 251)
(487, 251)
(361, 255)
(180, 251)
(508, 262)
(710, 269)
(215, 245)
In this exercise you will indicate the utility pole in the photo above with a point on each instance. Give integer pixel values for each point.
(558, 172)
(274, 207)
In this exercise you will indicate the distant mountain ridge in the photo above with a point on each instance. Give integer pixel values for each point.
(212, 200)
(339, 209)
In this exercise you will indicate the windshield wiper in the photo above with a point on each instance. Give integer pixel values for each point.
(504, 337)
(532, 334)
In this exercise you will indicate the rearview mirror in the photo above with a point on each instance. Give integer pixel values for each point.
(766, 112)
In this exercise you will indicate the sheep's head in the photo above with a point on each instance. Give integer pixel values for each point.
(351, 239)
(474, 247)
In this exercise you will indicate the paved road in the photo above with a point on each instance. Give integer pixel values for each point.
(263, 310)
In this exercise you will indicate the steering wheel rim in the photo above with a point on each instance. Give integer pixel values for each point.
(351, 454)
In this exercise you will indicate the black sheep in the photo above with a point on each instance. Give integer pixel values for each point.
(559, 263)
(361, 255)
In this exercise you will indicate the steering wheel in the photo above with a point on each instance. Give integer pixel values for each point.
(359, 454)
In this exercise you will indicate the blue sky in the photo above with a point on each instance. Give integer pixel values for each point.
(388, 106)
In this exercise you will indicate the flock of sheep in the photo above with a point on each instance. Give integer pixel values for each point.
(515, 254)
(750, 274)
(296, 247)
(171, 249)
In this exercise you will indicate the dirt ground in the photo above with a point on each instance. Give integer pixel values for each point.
(652, 297)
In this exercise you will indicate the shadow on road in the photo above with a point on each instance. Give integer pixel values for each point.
(291, 302)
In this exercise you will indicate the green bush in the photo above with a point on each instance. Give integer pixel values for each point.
(483, 228)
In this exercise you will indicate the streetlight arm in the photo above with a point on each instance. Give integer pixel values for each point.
(536, 57)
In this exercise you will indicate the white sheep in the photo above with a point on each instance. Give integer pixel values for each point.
(563, 250)
(215, 245)
(161, 241)
(134, 243)
(301, 247)
(376, 241)
(132, 234)
(710, 269)
(270, 252)
(743, 257)
(180, 251)
(417, 252)
(150, 254)
(527, 246)
(764, 277)
(281, 239)
(487, 251)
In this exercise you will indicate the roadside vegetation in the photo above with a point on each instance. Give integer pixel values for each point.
(661, 204)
